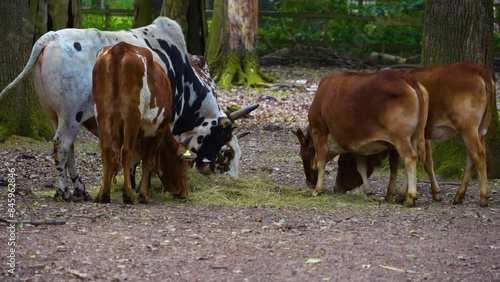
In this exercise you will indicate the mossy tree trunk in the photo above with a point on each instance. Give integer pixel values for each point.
(20, 112)
(143, 13)
(461, 30)
(53, 15)
(232, 44)
(190, 14)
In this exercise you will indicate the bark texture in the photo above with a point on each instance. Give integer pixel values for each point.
(232, 44)
(461, 30)
(143, 13)
(20, 112)
(50, 15)
(190, 14)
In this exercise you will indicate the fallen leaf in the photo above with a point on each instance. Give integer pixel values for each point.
(392, 268)
(312, 261)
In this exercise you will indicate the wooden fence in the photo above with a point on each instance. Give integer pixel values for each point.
(400, 48)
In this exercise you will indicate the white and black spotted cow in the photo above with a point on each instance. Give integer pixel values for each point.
(62, 63)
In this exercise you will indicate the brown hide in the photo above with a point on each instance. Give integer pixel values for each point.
(172, 169)
(124, 124)
(365, 114)
(460, 101)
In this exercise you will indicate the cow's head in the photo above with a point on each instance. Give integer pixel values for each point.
(172, 168)
(307, 153)
(348, 176)
(219, 133)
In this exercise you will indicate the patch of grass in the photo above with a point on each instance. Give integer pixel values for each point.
(222, 190)
(21, 143)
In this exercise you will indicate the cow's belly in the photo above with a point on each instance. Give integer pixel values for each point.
(368, 147)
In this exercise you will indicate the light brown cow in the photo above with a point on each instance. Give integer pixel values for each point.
(460, 101)
(365, 114)
(133, 105)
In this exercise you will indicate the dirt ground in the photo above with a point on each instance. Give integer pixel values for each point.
(192, 242)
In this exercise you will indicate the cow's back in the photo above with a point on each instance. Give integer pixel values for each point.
(457, 97)
(356, 109)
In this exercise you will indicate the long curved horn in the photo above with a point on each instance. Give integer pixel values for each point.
(242, 134)
(241, 112)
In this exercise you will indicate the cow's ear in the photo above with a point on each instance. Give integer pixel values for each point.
(300, 136)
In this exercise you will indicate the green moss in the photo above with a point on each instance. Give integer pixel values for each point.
(452, 167)
(238, 67)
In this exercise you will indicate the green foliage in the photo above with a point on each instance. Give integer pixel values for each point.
(354, 32)
(98, 21)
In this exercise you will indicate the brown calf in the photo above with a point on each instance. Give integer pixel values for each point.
(365, 114)
(460, 101)
(133, 105)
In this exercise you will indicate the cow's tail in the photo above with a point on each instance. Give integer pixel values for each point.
(35, 52)
(490, 102)
(117, 128)
(423, 101)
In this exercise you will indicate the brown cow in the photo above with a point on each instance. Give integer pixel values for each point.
(365, 114)
(460, 101)
(133, 106)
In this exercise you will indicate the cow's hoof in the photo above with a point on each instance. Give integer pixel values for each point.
(59, 196)
(79, 196)
(410, 201)
(180, 196)
(144, 199)
(103, 199)
(370, 197)
(128, 200)
(458, 199)
(437, 197)
(483, 202)
(316, 193)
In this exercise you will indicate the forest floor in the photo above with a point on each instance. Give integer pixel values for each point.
(189, 241)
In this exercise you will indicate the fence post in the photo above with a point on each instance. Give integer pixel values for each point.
(107, 15)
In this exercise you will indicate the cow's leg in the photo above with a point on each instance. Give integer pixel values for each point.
(429, 169)
(362, 170)
(148, 164)
(476, 155)
(63, 141)
(393, 165)
(406, 151)
(129, 140)
(108, 172)
(79, 193)
(147, 167)
(320, 161)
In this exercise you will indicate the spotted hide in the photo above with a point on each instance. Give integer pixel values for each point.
(460, 101)
(62, 63)
(365, 114)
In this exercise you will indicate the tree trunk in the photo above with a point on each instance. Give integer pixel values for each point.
(20, 112)
(54, 15)
(461, 30)
(190, 14)
(143, 13)
(232, 44)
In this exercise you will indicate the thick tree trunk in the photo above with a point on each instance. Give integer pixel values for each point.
(20, 112)
(232, 44)
(143, 13)
(190, 14)
(54, 15)
(461, 30)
